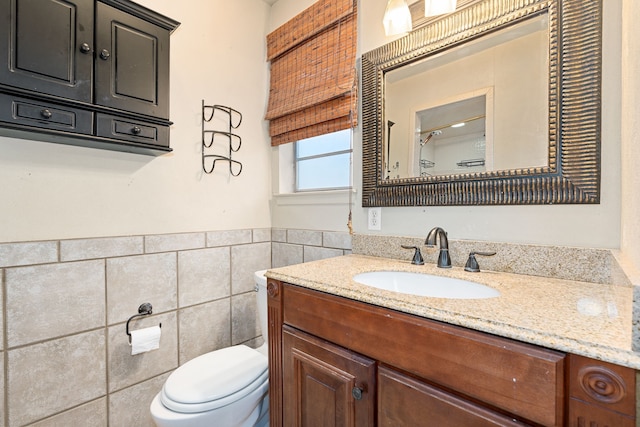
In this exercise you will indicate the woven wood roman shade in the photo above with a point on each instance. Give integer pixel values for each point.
(312, 58)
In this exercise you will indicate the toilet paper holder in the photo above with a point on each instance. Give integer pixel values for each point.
(145, 309)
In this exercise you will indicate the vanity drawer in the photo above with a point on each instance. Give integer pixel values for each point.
(115, 127)
(44, 115)
(522, 379)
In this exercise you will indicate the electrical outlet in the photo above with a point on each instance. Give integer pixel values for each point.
(375, 219)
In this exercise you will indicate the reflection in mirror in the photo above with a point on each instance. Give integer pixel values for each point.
(452, 137)
(497, 85)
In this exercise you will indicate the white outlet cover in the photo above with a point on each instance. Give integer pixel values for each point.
(374, 219)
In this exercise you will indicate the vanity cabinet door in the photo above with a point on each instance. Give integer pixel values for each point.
(48, 45)
(404, 401)
(325, 385)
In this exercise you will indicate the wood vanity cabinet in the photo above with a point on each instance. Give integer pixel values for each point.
(85, 72)
(339, 362)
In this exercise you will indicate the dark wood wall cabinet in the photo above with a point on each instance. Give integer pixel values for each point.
(339, 362)
(85, 72)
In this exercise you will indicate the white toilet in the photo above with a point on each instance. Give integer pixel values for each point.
(223, 388)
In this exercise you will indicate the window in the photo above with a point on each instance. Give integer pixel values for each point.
(324, 162)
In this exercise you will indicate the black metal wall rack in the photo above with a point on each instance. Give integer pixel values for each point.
(209, 136)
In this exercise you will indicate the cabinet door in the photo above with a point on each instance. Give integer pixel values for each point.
(47, 45)
(405, 401)
(132, 63)
(325, 385)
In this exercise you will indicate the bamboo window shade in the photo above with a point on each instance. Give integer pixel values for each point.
(312, 90)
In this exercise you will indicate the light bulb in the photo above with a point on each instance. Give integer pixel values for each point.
(397, 18)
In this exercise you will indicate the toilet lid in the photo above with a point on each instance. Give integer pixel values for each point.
(221, 376)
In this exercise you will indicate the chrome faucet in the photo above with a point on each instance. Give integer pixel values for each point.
(443, 258)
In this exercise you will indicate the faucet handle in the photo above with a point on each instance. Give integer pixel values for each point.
(472, 263)
(417, 255)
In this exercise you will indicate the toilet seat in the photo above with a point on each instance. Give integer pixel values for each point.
(215, 379)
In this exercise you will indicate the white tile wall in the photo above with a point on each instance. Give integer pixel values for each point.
(14, 254)
(92, 414)
(134, 280)
(228, 238)
(52, 300)
(286, 254)
(305, 237)
(245, 260)
(291, 246)
(126, 408)
(68, 359)
(196, 340)
(73, 250)
(173, 242)
(55, 375)
(204, 275)
(2, 385)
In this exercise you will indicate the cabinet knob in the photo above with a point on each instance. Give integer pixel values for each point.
(85, 48)
(356, 392)
(136, 130)
(104, 54)
(46, 113)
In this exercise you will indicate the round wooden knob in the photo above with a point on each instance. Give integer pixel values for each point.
(273, 289)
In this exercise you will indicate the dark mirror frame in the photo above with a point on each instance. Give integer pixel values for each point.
(575, 74)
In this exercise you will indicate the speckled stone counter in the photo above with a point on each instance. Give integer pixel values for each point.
(589, 319)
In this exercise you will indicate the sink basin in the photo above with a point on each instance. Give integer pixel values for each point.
(426, 285)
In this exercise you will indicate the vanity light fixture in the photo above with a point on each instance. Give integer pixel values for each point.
(397, 18)
(439, 7)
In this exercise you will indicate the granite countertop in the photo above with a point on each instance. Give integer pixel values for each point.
(589, 319)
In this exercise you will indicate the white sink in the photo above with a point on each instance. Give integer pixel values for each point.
(426, 285)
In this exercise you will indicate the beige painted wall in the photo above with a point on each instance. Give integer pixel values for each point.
(631, 132)
(52, 191)
(572, 225)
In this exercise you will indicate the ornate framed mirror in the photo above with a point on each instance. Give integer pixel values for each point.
(524, 79)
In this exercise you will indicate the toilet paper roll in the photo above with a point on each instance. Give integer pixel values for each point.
(147, 339)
